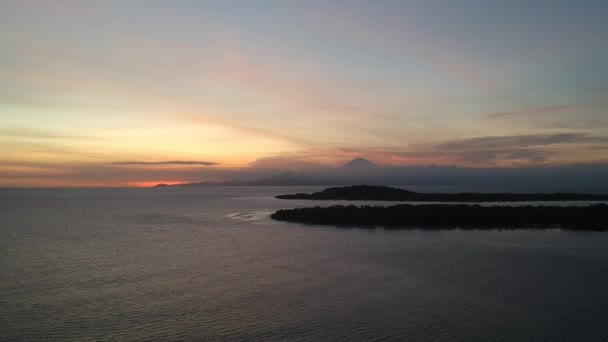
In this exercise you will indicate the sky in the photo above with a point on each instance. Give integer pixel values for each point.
(133, 93)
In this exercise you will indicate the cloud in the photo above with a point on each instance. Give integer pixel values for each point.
(483, 151)
(582, 124)
(520, 141)
(507, 150)
(532, 111)
(168, 162)
(521, 155)
(487, 152)
(17, 173)
(26, 133)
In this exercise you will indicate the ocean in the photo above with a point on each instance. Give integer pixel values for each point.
(206, 264)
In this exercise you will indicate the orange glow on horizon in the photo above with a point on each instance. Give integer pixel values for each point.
(149, 184)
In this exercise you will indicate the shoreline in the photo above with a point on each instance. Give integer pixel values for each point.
(384, 193)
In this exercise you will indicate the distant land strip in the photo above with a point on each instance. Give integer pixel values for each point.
(385, 193)
(452, 216)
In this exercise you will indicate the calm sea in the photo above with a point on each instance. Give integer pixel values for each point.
(207, 264)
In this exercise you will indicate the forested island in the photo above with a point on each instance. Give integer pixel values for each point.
(385, 193)
(444, 216)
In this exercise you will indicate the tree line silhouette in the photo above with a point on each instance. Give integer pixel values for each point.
(385, 193)
(443, 216)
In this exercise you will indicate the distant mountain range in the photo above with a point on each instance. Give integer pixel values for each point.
(282, 179)
(588, 178)
(341, 176)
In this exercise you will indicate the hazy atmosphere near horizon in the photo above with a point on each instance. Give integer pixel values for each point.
(135, 93)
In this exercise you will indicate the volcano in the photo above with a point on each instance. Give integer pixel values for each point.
(360, 164)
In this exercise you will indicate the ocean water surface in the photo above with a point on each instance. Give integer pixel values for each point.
(207, 264)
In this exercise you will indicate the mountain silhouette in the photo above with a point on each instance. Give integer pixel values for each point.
(359, 164)
(566, 178)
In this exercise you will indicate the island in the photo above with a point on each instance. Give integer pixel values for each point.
(385, 193)
(452, 216)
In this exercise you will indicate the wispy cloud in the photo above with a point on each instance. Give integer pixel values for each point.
(532, 111)
(507, 150)
(26, 133)
(484, 151)
(521, 141)
(17, 173)
(168, 162)
(582, 124)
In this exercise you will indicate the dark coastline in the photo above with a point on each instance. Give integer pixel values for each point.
(461, 216)
(383, 193)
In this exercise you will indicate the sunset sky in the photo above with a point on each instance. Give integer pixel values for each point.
(128, 93)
